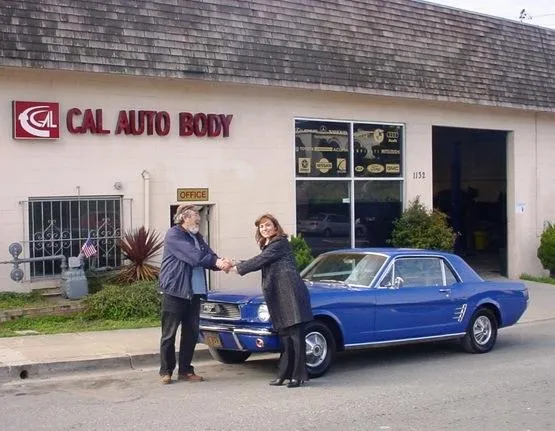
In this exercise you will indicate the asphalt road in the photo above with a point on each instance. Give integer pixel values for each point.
(425, 387)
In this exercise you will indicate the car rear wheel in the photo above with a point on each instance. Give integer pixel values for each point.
(481, 333)
(320, 348)
(229, 356)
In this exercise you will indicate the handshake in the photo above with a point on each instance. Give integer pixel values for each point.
(226, 264)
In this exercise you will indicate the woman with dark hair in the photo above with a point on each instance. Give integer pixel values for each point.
(286, 296)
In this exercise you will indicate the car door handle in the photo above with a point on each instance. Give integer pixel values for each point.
(445, 290)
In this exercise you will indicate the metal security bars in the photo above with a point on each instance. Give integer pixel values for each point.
(60, 225)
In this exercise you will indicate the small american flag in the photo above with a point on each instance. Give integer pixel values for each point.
(88, 248)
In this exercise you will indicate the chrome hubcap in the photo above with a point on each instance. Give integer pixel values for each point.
(482, 330)
(316, 349)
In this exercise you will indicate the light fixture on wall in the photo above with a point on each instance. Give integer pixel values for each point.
(118, 185)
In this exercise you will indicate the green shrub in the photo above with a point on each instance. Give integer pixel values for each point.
(546, 250)
(10, 300)
(302, 251)
(420, 228)
(96, 279)
(116, 302)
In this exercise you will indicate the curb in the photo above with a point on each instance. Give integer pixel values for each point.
(49, 369)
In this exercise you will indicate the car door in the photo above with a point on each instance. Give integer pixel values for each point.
(340, 288)
(417, 297)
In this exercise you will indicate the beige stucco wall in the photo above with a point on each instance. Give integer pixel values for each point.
(250, 172)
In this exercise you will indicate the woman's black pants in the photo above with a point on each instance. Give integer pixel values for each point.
(292, 362)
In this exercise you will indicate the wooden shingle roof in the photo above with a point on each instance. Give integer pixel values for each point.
(403, 48)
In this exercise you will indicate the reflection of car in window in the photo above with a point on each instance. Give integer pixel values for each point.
(327, 224)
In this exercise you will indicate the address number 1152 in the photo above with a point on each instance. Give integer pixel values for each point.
(418, 175)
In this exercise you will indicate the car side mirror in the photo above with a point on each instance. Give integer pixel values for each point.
(398, 282)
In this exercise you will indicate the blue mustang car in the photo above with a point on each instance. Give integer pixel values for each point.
(370, 298)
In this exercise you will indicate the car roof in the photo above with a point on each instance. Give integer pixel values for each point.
(392, 251)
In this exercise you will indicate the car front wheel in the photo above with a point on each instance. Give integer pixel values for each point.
(229, 356)
(481, 333)
(320, 348)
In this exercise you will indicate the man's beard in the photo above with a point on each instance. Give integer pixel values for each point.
(193, 229)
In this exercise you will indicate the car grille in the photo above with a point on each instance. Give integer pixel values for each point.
(220, 310)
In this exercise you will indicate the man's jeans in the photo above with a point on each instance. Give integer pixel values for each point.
(175, 312)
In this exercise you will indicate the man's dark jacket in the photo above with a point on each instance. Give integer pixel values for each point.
(180, 256)
(285, 293)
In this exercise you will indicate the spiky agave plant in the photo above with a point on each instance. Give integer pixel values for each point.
(139, 246)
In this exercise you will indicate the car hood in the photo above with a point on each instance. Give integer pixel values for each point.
(254, 294)
(237, 296)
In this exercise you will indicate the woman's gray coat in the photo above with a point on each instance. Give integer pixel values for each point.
(285, 293)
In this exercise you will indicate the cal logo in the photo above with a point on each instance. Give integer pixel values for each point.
(36, 120)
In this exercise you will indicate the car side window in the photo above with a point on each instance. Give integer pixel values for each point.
(450, 277)
(387, 280)
(409, 270)
(415, 272)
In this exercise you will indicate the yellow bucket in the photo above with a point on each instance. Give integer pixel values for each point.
(480, 240)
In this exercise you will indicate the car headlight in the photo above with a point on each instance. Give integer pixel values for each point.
(263, 313)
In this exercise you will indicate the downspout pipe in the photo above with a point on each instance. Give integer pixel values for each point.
(146, 197)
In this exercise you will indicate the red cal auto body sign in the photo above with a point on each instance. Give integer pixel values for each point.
(40, 120)
(36, 120)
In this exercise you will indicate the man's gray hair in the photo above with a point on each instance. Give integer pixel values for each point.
(184, 211)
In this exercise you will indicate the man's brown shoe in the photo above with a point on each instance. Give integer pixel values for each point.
(190, 377)
(166, 379)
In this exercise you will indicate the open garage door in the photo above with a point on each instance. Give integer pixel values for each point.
(470, 186)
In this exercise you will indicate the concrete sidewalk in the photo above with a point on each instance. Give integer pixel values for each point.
(46, 355)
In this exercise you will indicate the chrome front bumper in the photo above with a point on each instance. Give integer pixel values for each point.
(245, 331)
(243, 338)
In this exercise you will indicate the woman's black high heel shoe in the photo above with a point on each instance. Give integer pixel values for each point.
(294, 383)
(277, 382)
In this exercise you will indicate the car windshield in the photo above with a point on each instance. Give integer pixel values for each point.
(347, 268)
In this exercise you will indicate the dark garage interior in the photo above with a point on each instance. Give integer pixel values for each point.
(470, 186)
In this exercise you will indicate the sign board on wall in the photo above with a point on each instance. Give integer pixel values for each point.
(36, 120)
(41, 120)
(192, 194)
(328, 148)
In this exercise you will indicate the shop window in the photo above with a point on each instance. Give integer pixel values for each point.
(322, 148)
(377, 150)
(377, 204)
(61, 226)
(323, 214)
(349, 180)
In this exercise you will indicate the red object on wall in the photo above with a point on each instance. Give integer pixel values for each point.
(36, 120)
(136, 122)
(89, 123)
(201, 124)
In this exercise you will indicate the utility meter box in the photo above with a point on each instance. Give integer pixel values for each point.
(74, 281)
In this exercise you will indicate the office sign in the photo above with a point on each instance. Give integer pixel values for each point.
(192, 194)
